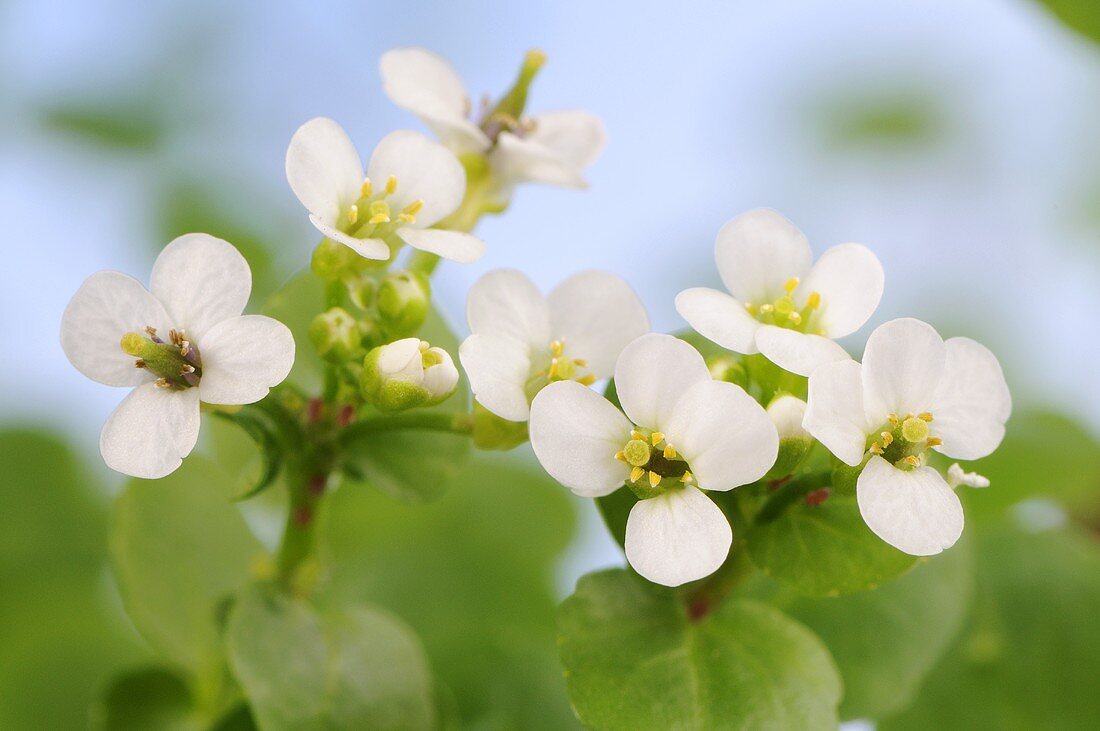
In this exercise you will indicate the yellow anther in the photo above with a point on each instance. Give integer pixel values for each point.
(408, 213)
(587, 380)
(893, 419)
(656, 438)
(924, 416)
(353, 214)
(670, 452)
(765, 309)
(379, 212)
(751, 308)
(635, 434)
(654, 479)
(687, 478)
(887, 438)
(553, 371)
(580, 362)
(367, 189)
(162, 383)
(875, 448)
(795, 318)
(636, 474)
(391, 185)
(556, 348)
(791, 285)
(911, 460)
(620, 456)
(933, 442)
(813, 301)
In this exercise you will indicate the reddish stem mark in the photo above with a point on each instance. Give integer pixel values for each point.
(776, 484)
(303, 514)
(818, 496)
(699, 608)
(346, 415)
(314, 410)
(316, 485)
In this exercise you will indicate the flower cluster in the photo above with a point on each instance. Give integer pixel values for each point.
(677, 429)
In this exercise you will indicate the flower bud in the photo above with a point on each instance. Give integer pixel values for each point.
(786, 413)
(727, 367)
(407, 373)
(336, 335)
(403, 302)
(362, 288)
(494, 432)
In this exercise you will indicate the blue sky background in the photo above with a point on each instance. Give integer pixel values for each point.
(958, 140)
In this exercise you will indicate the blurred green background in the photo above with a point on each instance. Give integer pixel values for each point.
(957, 140)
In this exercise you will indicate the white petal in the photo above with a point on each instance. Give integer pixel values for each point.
(366, 248)
(107, 306)
(902, 367)
(915, 512)
(596, 314)
(849, 279)
(575, 433)
(725, 436)
(425, 171)
(757, 253)
(834, 410)
(441, 379)
(577, 137)
(677, 537)
(956, 476)
(243, 358)
(720, 318)
(498, 367)
(519, 160)
(423, 83)
(151, 431)
(797, 352)
(972, 403)
(323, 168)
(788, 412)
(454, 245)
(652, 373)
(200, 280)
(506, 302)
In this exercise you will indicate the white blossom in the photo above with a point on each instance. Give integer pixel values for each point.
(778, 304)
(521, 340)
(552, 148)
(913, 392)
(410, 184)
(189, 341)
(682, 433)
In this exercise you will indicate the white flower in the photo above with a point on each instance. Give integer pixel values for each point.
(787, 412)
(779, 304)
(552, 148)
(956, 476)
(914, 392)
(408, 373)
(410, 184)
(189, 341)
(521, 340)
(683, 433)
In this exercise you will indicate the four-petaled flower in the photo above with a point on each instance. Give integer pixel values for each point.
(913, 392)
(779, 304)
(521, 341)
(683, 433)
(189, 341)
(552, 148)
(410, 184)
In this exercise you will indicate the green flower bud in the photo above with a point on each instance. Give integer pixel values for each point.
(728, 368)
(336, 335)
(403, 302)
(362, 289)
(407, 373)
(493, 432)
(786, 413)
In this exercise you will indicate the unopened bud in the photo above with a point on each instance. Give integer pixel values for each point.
(407, 373)
(362, 289)
(336, 335)
(494, 432)
(786, 413)
(728, 368)
(403, 302)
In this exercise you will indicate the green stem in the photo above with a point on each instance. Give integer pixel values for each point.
(306, 487)
(424, 262)
(425, 421)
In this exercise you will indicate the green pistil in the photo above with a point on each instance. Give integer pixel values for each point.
(175, 362)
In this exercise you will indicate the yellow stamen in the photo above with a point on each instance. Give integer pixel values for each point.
(636, 474)
(366, 190)
(587, 380)
(654, 479)
(924, 416)
(408, 213)
(580, 362)
(791, 285)
(887, 438)
(391, 185)
(380, 212)
(670, 452)
(765, 309)
(656, 438)
(553, 368)
(620, 456)
(556, 348)
(933, 442)
(353, 214)
(687, 478)
(635, 434)
(814, 301)
(876, 448)
(893, 419)
(911, 460)
(751, 308)
(795, 318)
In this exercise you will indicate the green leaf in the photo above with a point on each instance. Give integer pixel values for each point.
(355, 668)
(62, 634)
(262, 432)
(179, 551)
(1029, 656)
(122, 123)
(473, 574)
(824, 549)
(634, 659)
(886, 641)
(1082, 16)
(151, 698)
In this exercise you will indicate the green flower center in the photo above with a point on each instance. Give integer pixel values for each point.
(655, 465)
(902, 441)
(372, 216)
(176, 363)
(785, 312)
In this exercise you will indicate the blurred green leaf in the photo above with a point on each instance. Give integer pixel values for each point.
(150, 698)
(121, 123)
(1029, 656)
(472, 574)
(634, 659)
(179, 551)
(887, 640)
(355, 668)
(1082, 16)
(824, 549)
(62, 634)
